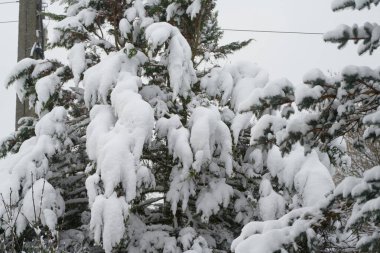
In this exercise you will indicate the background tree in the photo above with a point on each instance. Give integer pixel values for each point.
(331, 108)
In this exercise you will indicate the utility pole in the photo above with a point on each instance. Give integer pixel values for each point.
(30, 43)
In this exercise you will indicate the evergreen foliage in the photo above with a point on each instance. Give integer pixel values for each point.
(123, 46)
(329, 110)
(143, 143)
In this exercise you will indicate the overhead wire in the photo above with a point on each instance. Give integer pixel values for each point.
(271, 31)
(9, 2)
(8, 21)
(234, 30)
(223, 29)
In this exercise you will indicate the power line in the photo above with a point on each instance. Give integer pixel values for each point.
(271, 31)
(235, 30)
(9, 21)
(9, 2)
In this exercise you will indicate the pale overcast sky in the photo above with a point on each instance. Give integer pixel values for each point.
(280, 54)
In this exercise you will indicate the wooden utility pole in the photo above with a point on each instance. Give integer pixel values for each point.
(30, 36)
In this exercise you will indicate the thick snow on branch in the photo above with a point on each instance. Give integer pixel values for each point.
(23, 174)
(274, 89)
(17, 76)
(373, 122)
(45, 89)
(265, 124)
(234, 82)
(178, 141)
(102, 121)
(247, 88)
(368, 35)
(178, 56)
(240, 122)
(366, 204)
(119, 149)
(135, 19)
(211, 143)
(313, 182)
(115, 140)
(174, 9)
(271, 204)
(217, 194)
(207, 132)
(258, 237)
(180, 190)
(356, 187)
(101, 78)
(194, 8)
(354, 4)
(77, 61)
(76, 24)
(107, 220)
(305, 173)
(42, 202)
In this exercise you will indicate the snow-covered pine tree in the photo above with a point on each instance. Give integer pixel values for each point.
(361, 195)
(171, 165)
(135, 72)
